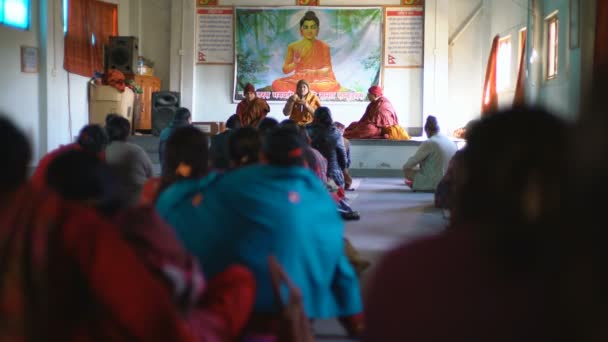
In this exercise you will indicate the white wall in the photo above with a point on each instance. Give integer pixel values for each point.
(468, 34)
(436, 55)
(19, 92)
(207, 89)
(154, 37)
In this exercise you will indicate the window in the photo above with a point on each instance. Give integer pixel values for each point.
(15, 13)
(503, 64)
(552, 45)
(65, 16)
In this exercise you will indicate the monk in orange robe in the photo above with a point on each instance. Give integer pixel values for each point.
(309, 59)
(301, 106)
(379, 114)
(252, 109)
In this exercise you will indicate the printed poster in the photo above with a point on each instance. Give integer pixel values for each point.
(404, 37)
(338, 51)
(214, 40)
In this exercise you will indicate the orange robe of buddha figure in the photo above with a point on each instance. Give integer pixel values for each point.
(314, 67)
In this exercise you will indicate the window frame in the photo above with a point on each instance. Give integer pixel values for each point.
(552, 47)
(27, 20)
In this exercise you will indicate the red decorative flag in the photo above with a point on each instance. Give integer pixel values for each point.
(201, 3)
(307, 2)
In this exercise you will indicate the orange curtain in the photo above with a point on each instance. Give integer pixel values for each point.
(489, 102)
(85, 19)
(105, 25)
(601, 36)
(78, 51)
(520, 87)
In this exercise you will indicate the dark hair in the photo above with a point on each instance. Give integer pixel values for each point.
(468, 128)
(80, 176)
(16, 156)
(322, 129)
(182, 115)
(310, 15)
(93, 138)
(284, 147)
(266, 125)
(244, 146)
(110, 117)
(118, 128)
(233, 122)
(431, 124)
(187, 145)
(499, 171)
(290, 124)
(322, 117)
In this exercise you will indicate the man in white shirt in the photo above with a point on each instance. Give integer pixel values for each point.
(433, 157)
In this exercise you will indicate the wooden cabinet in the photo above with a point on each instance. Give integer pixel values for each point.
(149, 84)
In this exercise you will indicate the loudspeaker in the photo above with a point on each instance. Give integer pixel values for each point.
(164, 106)
(122, 54)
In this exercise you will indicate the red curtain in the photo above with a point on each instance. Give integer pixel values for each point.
(601, 36)
(520, 87)
(85, 19)
(489, 103)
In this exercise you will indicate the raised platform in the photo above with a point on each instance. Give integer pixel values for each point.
(369, 157)
(383, 158)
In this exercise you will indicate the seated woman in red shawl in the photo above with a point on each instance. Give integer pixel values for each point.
(309, 59)
(66, 274)
(379, 114)
(91, 138)
(251, 109)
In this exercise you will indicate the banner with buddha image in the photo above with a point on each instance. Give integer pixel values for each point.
(338, 51)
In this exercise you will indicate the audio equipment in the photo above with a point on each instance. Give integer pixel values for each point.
(122, 54)
(164, 106)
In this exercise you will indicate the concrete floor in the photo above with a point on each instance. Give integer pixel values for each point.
(391, 214)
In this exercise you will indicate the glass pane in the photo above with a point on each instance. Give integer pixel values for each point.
(1, 11)
(16, 13)
(65, 16)
(551, 49)
(503, 72)
(555, 46)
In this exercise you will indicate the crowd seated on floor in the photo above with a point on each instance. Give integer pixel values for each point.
(200, 262)
(93, 247)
